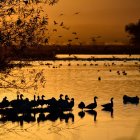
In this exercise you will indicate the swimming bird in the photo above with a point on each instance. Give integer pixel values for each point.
(55, 23)
(128, 99)
(81, 105)
(92, 105)
(74, 33)
(76, 13)
(33, 103)
(54, 30)
(71, 104)
(61, 14)
(69, 40)
(62, 23)
(99, 78)
(65, 102)
(76, 38)
(41, 102)
(108, 105)
(60, 101)
(4, 103)
(15, 103)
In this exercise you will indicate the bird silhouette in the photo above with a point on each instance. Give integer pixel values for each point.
(128, 99)
(4, 103)
(33, 103)
(54, 30)
(62, 23)
(92, 105)
(81, 105)
(76, 13)
(108, 105)
(99, 78)
(61, 14)
(71, 104)
(61, 100)
(74, 33)
(55, 23)
(15, 103)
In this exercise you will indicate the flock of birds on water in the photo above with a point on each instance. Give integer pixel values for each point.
(118, 72)
(55, 107)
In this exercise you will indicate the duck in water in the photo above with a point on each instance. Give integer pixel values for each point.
(92, 105)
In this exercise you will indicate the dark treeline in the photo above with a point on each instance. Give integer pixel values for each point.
(99, 49)
(49, 52)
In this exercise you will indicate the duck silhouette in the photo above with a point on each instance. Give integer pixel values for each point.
(81, 105)
(108, 105)
(41, 102)
(65, 102)
(4, 103)
(70, 104)
(128, 99)
(92, 105)
(15, 103)
(60, 101)
(33, 103)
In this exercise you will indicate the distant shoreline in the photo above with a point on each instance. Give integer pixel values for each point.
(42, 53)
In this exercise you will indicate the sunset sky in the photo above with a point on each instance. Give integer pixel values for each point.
(106, 18)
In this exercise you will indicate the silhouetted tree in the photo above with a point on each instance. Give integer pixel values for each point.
(134, 30)
(22, 23)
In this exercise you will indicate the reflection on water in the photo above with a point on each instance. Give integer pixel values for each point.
(110, 111)
(97, 56)
(79, 80)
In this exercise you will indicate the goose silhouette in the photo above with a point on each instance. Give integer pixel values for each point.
(128, 99)
(33, 103)
(108, 105)
(71, 104)
(15, 103)
(92, 105)
(60, 101)
(41, 102)
(4, 103)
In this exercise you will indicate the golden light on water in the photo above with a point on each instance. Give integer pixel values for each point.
(81, 82)
(30, 103)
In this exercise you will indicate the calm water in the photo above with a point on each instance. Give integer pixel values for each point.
(79, 79)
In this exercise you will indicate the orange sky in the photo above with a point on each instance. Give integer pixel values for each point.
(106, 18)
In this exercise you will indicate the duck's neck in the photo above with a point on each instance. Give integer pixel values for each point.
(42, 97)
(112, 102)
(34, 97)
(17, 97)
(38, 98)
(95, 100)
